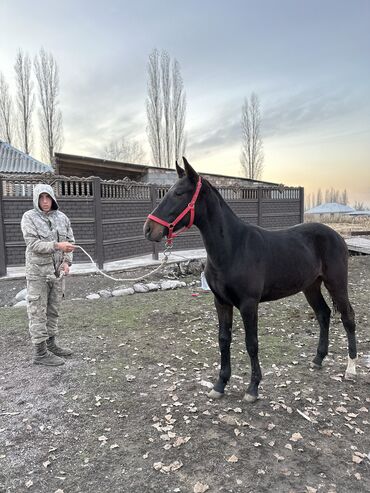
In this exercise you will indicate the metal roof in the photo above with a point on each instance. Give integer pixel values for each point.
(13, 160)
(330, 208)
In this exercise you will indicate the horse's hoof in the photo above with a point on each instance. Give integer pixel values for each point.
(250, 398)
(213, 394)
(352, 377)
(315, 366)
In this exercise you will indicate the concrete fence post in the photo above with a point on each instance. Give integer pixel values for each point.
(301, 197)
(153, 197)
(259, 206)
(3, 260)
(99, 247)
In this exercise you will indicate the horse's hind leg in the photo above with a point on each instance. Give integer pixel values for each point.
(322, 312)
(347, 315)
(225, 321)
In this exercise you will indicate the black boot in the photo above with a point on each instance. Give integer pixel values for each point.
(58, 351)
(43, 357)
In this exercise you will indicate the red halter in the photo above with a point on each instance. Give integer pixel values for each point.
(191, 207)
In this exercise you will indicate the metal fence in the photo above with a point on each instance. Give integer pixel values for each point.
(107, 216)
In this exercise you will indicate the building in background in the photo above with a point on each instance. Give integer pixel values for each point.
(84, 167)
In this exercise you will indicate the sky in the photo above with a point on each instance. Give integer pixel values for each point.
(308, 62)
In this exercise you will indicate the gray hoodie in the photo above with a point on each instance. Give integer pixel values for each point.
(41, 231)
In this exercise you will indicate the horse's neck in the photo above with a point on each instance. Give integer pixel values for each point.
(219, 228)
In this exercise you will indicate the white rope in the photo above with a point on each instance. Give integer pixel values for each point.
(180, 256)
(166, 254)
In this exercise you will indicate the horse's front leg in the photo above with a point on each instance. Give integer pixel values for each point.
(225, 321)
(249, 313)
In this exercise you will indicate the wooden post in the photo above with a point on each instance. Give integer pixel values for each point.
(99, 248)
(153, 197)
(3, 261)
(259, 206)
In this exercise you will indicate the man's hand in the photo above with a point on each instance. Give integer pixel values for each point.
(65, 246)
(65, 268)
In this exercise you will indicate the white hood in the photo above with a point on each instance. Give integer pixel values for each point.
(43, 188)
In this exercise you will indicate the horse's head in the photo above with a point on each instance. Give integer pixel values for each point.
(176, 210)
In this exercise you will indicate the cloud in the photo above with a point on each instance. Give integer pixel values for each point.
(304, 110)
(283, 115)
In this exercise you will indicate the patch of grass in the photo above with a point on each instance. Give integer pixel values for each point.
(13, 317)
(276, 350)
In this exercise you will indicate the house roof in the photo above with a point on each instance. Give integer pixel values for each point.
(13, 160)
(330, 208)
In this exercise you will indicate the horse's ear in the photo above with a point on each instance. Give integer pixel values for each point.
(180, 171)
(190, 172)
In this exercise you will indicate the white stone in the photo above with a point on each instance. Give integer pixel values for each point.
(105, 293)
(93, 296)
(20, 303)
(21, 295)
(165, 285)
(153, 286)
(122, 292)
(140, 288)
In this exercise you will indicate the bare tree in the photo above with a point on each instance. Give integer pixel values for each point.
(125, 150)
(360, 206)
(178, 111)
(154, 108)
(344, 197)
(6, 111)
(333, 195)
(252, 147)
(25, 99)
(166, 109)
(50, 116)
(319, 199)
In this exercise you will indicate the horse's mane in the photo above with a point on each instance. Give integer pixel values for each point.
(219, 197)
(213, 189)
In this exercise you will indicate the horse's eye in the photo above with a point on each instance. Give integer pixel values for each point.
(179, 192)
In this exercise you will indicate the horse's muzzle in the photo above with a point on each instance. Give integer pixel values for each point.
(153, 231)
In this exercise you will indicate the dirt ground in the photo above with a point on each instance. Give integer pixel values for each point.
(129, 411)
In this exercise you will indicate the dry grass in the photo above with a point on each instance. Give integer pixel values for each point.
(345, 225)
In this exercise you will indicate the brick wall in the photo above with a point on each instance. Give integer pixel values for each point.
(122, 222)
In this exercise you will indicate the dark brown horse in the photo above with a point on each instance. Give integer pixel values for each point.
(247, 264)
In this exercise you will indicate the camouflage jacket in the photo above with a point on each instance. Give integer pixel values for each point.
(41, 231)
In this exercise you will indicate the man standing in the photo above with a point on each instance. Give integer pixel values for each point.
(49, 240)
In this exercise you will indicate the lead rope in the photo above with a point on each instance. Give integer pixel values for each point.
(166, 254)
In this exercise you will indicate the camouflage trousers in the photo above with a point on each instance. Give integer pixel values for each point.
(44, 296)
